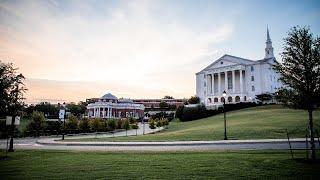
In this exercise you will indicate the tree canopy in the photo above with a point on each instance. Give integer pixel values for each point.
(12, 89)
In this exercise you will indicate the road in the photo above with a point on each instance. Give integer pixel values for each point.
(31, 143)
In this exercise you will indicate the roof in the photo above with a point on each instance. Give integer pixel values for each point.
(109, 96)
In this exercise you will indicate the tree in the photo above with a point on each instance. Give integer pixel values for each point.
(47, 108)
(136, 127)
(95, 124)
(126, 125)
(38, 122)
(12, 89)
(77, 109)
(264, 97)
(152, 123)
(194, 100)
(168, 97)
(84, 125)
(163, 105)
(300, 73)
(72, 123)
(111, 124)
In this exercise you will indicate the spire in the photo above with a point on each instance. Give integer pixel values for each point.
(269, 48)
(268, 36)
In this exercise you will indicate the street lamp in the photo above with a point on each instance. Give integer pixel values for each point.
(224, 94)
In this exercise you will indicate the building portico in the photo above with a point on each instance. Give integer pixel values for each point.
(242, 79)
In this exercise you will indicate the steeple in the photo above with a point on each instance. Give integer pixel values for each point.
(269, 48)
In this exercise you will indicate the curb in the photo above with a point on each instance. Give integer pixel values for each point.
(52, 142)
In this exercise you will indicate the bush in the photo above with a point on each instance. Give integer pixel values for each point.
(152, 123)
(198, 112)
(84, 125)
(119, 124)
(53, 126)
(72, 123)
(37, 123)
(132, 120)
(95, 124)
(111, 124)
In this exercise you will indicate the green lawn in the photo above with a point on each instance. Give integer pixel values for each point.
(251, 123)
(177, 165)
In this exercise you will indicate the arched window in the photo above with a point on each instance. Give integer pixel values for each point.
(209, 100)
(222, 99)
(237, 98)
(229, 99)
(216, 100)
(245, 98)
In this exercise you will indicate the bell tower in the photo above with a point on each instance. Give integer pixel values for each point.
(269, 48)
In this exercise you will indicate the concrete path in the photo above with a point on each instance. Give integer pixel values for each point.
(131, 132)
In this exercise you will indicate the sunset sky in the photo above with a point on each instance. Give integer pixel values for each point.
(73, 50)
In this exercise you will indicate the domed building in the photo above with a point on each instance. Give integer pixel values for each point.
(109, 106)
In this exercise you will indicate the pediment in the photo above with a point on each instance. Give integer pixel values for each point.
(228, 60)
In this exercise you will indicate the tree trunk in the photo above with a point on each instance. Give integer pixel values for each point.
(313, 148)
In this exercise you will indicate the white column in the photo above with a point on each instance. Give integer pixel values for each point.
(103, 112)
(111, 113)
(219, 82)
(207, 84)
(233, 82)
(241, 86)
(212, 84)
(226, 81)
(94, 112)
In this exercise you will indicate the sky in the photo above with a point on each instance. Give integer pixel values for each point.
(70, 50)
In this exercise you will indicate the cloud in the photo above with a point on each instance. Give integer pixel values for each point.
(126, 42)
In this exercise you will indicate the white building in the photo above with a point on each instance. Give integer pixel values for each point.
(241, 78)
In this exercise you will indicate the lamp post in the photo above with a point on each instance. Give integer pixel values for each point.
(224, 94)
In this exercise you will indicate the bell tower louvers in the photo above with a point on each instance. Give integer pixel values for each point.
(269, 48)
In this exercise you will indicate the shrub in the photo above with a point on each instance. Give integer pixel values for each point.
(111, 124)
(72, 123)
(136, 127)
(119, 124)
(84, 125)
(37, 123)
(95, 124)
(132, 120)
(126, 125)
(152, 123)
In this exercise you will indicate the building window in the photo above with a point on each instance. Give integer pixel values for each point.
(252, 88)
(252, 78)
(252, 69)
(204, 84)
(221, 62)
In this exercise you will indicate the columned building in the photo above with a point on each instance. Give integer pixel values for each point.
(242, 79)
(109, 106)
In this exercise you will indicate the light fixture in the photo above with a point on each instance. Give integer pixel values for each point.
(224, 94)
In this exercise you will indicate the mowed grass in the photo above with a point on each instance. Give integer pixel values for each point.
(261, 122)
(27, 164)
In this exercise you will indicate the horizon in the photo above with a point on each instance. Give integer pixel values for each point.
(70, 51)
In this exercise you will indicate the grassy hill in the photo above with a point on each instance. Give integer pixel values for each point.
(252, 123)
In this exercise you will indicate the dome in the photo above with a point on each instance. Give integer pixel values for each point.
(109, 96)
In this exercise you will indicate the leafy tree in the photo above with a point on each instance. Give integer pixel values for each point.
(300, 73)
(12, 89)
(126, 125)
(168, 97)
(119, 124)
(84, 125)
(194, 100)
(163, 105)
(158, 123)
(179, 112)
(95, 124)
(136, 127)
(264, 97)
(111, 124)
(72, 123)
(37, 123)
(47, 108)
(152, 123)
(77, 109)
